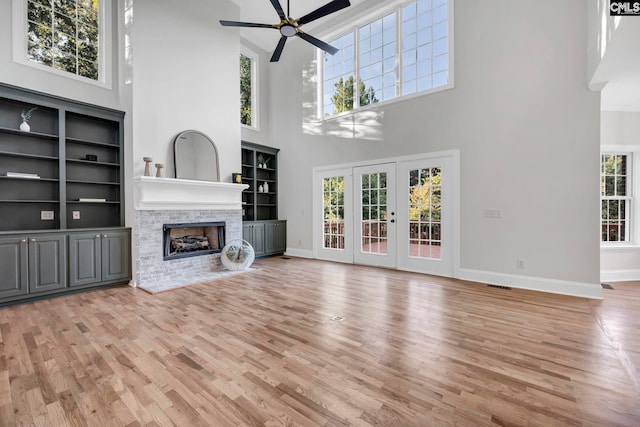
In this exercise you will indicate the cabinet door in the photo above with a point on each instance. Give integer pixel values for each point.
(280, 237)
(275, 237)
(13, 265)
(47, 263)
(116, 256)
(269, 238)
(247, 233)
(258, 238)
(85, 265)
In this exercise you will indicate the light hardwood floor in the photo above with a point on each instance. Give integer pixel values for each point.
(261, 348)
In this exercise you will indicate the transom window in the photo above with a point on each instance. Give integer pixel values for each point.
(615, 194)
(401, 53)
(65, 35)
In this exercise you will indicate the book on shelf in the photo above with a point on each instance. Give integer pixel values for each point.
(21, 175)
(87, 199)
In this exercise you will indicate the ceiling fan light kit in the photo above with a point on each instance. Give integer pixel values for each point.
(291, 27)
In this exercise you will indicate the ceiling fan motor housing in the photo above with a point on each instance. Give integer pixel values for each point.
(288, 30)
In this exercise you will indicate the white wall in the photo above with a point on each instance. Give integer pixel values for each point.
(622, 130)
(522, 116)
(185, 76)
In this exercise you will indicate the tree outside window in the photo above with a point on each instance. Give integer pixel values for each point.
(246, 98)
(65, 35)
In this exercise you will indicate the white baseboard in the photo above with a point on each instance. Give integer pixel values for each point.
(578, 289)
(300, 253)
(619, 275)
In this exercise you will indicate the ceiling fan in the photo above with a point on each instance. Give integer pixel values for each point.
(289, 27)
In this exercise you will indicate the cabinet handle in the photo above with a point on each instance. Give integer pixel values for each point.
(97, 235)
(104, 235)
(24, 240)
(33, 240)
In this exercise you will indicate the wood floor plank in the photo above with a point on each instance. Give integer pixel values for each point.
(262, 348)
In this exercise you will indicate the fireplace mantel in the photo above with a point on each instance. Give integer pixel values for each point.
(184, 194)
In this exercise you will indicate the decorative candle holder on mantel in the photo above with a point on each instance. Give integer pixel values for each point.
(159, 167)
(147, 168)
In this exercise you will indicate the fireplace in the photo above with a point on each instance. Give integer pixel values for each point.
(192, 239)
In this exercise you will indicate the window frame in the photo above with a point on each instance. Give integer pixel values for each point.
(632, 177)
(255, 110)
(367, 18)
(20, 29)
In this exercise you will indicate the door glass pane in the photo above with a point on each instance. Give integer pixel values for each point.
(373, 238)
(425, 212)
(333, 204)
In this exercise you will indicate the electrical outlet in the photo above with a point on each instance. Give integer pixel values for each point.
(46, 215)
(520, 263)
(76, 214)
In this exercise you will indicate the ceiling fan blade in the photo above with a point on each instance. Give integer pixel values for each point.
(278, 8)
(244, 24)
(325, 10)
(276, 53)
(318, 43)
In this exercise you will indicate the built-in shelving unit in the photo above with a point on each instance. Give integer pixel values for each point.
(261, 225)
(260, 172)
(63, 172)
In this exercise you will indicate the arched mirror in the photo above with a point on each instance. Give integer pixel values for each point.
(195, 156)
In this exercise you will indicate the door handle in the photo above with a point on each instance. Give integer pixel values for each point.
(393, 220)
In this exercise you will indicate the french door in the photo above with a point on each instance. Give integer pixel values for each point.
(397, 214)
(425, 216)
(374, 202)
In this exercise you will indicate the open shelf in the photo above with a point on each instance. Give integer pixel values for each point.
(63, 133)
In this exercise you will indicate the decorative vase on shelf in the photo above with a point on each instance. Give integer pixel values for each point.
(26, 116)
(260, 189)
(265, 186)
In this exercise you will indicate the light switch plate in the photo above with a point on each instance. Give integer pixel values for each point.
(76, 214)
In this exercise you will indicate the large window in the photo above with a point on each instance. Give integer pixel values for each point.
(401, 53)
(66, 37)
(248, 104)
(64, 34)
(615, 193)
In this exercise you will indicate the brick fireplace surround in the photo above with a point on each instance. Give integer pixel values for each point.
(168, 201)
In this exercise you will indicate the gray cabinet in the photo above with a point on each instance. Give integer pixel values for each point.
(275, 237)
(14, 264)
(32, 264)
(254, 234)
(37, 264)
(47, 262)
(266, 237)
(99, 257)
(116, 255)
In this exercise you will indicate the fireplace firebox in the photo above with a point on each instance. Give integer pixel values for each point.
(192, 239)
